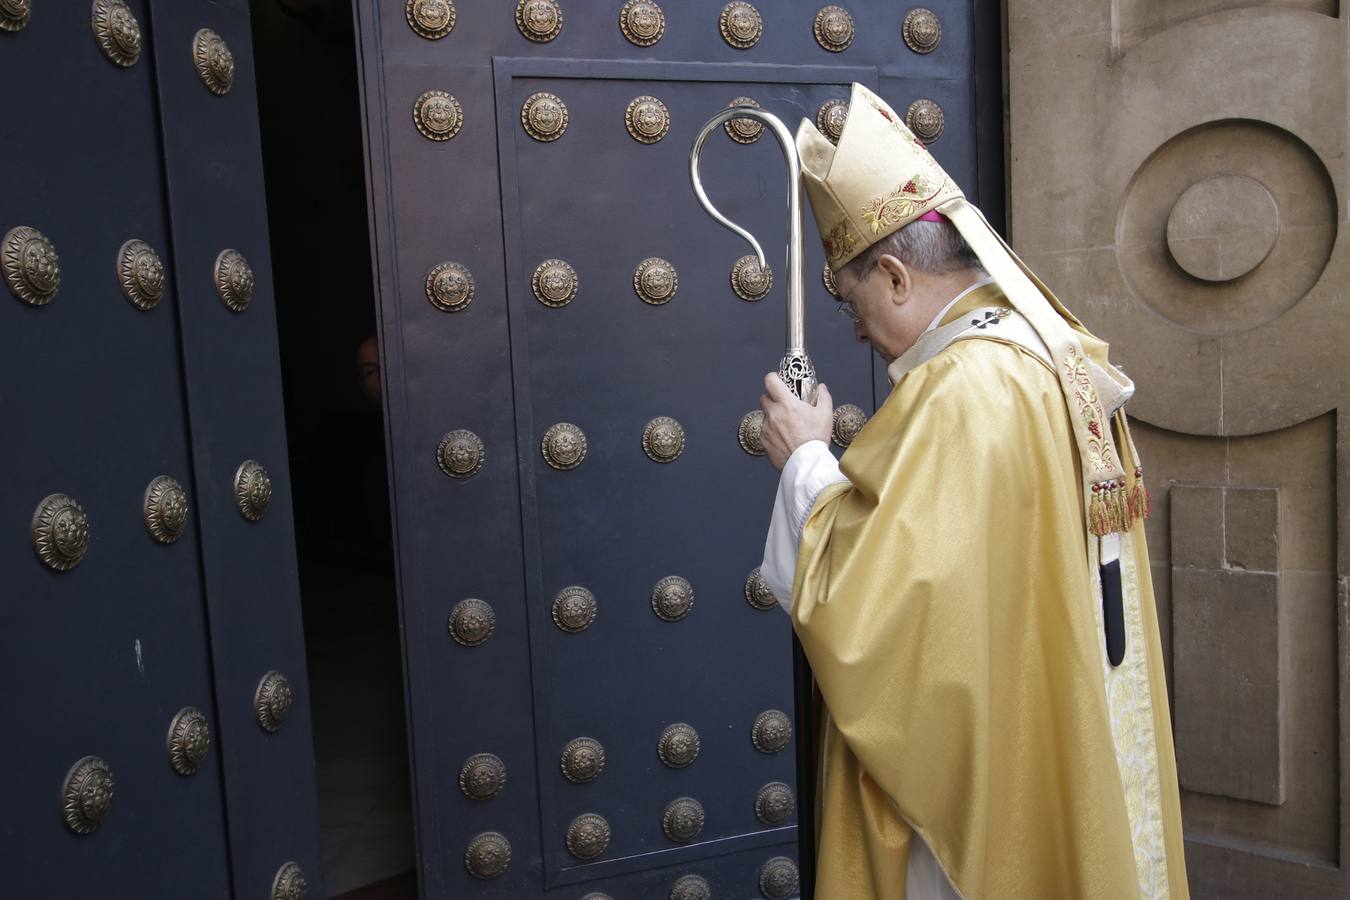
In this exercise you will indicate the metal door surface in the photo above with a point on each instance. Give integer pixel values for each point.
(599, 699)
(157, 738)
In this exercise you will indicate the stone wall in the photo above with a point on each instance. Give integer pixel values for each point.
(1178, 176)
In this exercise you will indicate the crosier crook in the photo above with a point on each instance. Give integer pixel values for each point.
(795, 369)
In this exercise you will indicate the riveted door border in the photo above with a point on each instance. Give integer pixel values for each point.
(232, 378)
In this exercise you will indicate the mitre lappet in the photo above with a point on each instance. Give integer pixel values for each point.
(878, 179)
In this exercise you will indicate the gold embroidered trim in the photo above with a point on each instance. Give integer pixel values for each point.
(1100, 453)
(1116, 505)
(1134, 735)
(905, 202)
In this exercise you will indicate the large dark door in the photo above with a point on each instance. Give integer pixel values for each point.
(531, 215)
(156, 725)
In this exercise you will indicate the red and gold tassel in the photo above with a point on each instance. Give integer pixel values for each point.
(1140, 503)
(1118, 512)
(1113, 507)
(1099, 517)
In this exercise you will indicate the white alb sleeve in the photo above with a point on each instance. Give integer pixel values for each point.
(809, 470)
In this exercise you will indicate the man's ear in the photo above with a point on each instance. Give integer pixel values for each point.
(899, 278)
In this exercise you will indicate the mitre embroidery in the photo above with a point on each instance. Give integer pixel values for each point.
(839, 242)
(886, 114)
(901, 204)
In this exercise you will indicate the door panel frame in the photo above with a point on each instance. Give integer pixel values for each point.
(518, 292)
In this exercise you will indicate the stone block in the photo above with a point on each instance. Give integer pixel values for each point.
(1197, 526)
(1251, 526)
(1226, 656)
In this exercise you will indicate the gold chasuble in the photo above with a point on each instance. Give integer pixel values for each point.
(949, 596)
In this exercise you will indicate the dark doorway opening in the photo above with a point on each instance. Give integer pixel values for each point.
(310, 118)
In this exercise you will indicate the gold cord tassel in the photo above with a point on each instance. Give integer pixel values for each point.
(1112, 509)
(1140, 502)
(1118, 512)
(1099, 516)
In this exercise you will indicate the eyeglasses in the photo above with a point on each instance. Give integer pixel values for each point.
(845, 309)
(845, 306)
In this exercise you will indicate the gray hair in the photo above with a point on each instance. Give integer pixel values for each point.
(933, 247)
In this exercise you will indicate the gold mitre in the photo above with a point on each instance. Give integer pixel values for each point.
(878, 180)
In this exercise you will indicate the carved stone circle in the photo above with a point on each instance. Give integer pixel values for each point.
(544, 116)
(166, 509)
(60, 531)
(460, 454)
(117, 31)
(487, 855)
(833, 28)
(830, 118)
(564, 446)
(234, 280)
(87, 795)
(189, 740)
(751, 432)
(691, 887)
(252, 489)
(772, 731)
(683, 819)
(774, 803)
(647, 119)
(587, 836)
(655, 281)
(672, 598)
(290, 883)
(555, 283)
(778, 879)
(471, 622)
(141, 274)
(1214, 187)
(678, 745)
(849, 419)
(741, 25)
(574, 609)
(438, 115)
(642, 22)
(582, 760)
(482, 776)
(31, 264)
(214, 61)
(539, 20)
(663, 439)
(749, 281)
(925, 119)
(432, 19)
(272, 701)
(1235, 214)
(757, 591)
(921, 30)
(449, 286)
(744, 130)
